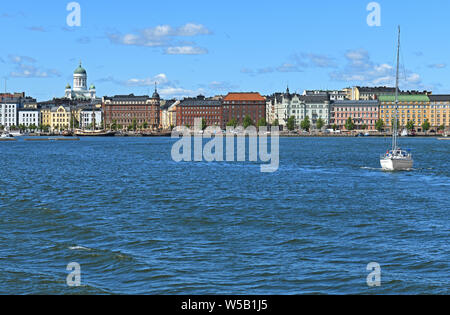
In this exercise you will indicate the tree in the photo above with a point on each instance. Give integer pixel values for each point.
(410, 125)
(320, 123)
(380, 125)
(350, 125)
(2, 127)
(33, 127)
(364, 127)
(306, 124)
(335, 127)
(291, 123)
(247, 122)
(426, 125)
(134, 125)
(114, 125)
(262, 122)
(276, 123)
(145, 125)
(441, 127)
(232, 123)
(204, 124)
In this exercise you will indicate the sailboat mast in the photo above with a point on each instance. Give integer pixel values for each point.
(395, 132)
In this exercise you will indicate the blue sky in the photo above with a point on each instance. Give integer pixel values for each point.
(213, 47)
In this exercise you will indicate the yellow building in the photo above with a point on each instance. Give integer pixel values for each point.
(439, 111)
(415, 107)
(58, 118)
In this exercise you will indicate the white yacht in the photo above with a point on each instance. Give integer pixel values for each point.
(397, 159)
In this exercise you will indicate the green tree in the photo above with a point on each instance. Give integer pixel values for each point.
(291, 123)
(33, 127)
(114, 125)
(134, 125)
(232, 123)
(204, 124)
(441, 127)
(335, 127)
(276, 123)
(306, 124)
(380, 125)
(320, 124)
(410, 125)
(426, 125)
(350, 125)
(364, 127)
(2, 127)
(145, 125)
(247, 121)
(262, 122)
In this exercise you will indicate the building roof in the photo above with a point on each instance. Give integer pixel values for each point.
(314, 98)
(79, 70)
(248, 96)
(199, 102)
(377, 89)
(356, 103)
(405, 98)
(130, 97)
(439, 98)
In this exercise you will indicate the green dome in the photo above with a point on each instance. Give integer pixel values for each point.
(80, 70)
(92, 87)
(68, 86)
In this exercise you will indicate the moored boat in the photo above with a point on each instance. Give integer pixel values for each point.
(94, 133)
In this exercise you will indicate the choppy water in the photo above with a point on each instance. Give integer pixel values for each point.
(139, 223)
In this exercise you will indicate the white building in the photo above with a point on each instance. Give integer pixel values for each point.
(87, 118)
(28, 117)
(80, 90)
(282, 106)
(333, 95)
(317, 107)
(8, 113)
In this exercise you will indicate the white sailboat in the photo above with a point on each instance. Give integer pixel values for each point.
(397, 159)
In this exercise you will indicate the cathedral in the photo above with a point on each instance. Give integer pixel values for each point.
(80, 90)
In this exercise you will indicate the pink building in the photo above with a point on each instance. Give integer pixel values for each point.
(363, 113)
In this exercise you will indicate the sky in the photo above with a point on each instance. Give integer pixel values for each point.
(215, 47)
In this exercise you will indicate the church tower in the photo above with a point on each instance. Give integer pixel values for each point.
(80, 79)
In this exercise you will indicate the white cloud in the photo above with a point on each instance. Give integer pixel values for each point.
(186, 50)
(164, 36)
(438, 66)
(25, 68)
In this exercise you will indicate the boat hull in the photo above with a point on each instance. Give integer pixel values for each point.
(397, 164)
(95, 133)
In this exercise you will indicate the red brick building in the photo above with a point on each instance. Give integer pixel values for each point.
(124, 109)
(238, 105)
(191, 108)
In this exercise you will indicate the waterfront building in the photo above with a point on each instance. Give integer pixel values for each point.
(80, 91)
(333, 95)
(239, 105)
(58, 118)
(123, 110)
(439, 111)
(316, 107)
(282, 106)
(87, 116)
(363, 114)
(172, 114)
(362, 93)
(29, 117)
(8, 112)
(191, 108)
(411, 107)
(164, 113)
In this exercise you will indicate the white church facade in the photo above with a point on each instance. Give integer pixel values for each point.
(79, 91)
